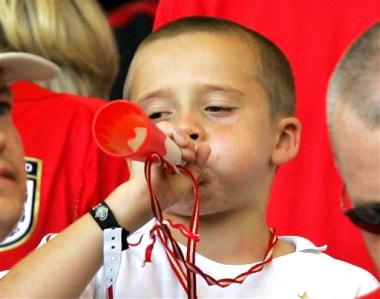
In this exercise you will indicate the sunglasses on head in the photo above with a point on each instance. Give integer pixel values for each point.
(365, 216)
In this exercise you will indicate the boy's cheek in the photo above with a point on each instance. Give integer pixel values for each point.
(229, 141)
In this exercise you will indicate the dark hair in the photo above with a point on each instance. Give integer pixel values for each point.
(274, 71)
(356, 79)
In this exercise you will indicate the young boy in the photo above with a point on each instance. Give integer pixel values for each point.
(312, 62)
(225, 95)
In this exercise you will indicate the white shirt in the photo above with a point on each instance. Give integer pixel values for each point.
(305, 273)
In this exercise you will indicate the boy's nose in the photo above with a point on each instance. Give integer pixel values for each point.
(195, 132)
(191, 126)
(194, 136)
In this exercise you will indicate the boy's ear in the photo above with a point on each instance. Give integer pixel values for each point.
(287, 141)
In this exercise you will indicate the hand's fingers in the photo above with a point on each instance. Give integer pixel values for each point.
(184, 142)
(181, 182)
(202, 154)
(170, 188)
(178, 135)
(188, 155)
(166, 127)
(201, 157)
(181, 138)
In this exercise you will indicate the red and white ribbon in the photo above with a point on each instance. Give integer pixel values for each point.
(185, 268)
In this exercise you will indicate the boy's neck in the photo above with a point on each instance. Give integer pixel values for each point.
(232, 238)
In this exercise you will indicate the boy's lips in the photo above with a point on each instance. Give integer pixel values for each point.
(7, 174)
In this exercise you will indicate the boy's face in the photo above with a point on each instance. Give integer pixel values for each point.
(12, 169)
(205, 84)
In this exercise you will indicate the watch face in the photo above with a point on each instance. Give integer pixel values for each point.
(101, 212)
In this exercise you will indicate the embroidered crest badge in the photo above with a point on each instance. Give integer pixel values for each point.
(28, 220)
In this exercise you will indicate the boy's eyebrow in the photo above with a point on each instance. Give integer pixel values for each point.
(160, 92)
(209, 87)
(205, 87)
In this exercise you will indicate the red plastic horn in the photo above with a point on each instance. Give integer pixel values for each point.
(122, 129)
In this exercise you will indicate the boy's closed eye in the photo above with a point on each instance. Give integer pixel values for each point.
(158, 115)
(219, 109)
(157, 109)
(219, 104)
(214, 110)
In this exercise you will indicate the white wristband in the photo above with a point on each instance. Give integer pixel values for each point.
(111, 254)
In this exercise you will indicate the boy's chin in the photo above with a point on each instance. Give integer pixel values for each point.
(210, 202)
(185, 209)
(181, 209)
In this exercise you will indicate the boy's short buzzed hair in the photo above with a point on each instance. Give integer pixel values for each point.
(355, 81)
(274, 72)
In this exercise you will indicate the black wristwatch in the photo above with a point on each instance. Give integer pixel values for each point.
(104, 217)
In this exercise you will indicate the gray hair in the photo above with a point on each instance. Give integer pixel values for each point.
(355, 81)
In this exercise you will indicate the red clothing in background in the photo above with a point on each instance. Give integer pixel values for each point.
(67, 173)
(373, 295)
(313, 35)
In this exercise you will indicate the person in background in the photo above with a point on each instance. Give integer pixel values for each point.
(353, 102)
(313, 45)
(15, 66)
(74, 34)
(67, 173)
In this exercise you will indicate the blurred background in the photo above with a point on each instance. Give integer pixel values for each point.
(131, 22)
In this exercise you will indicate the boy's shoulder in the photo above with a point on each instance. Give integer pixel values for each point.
(307, 252)
(315, 264)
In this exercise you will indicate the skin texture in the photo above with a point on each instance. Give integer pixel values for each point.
(357, 150)
(215, 111)
(12, 171)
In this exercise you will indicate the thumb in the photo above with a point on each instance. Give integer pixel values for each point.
(202, 154)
